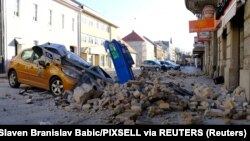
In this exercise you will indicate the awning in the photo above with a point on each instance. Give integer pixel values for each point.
(231, 11)
(19, 41)
(198, 50)
(219, 32)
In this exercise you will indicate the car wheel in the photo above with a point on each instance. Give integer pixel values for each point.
(56, 86)
(13, 82)
(157, 69)
(142, 68)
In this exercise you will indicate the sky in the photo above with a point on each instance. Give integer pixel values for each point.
(155, 19)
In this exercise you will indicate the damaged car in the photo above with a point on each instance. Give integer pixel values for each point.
(52, 67)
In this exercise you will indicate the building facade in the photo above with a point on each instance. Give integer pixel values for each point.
(131, 51)
(227, 53)
(95, 29)
(30, 22)
(158, 51)
(144, 49)
(2, 48)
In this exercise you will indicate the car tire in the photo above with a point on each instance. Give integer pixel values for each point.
(13, 81)
(56, 86)
(157, 69)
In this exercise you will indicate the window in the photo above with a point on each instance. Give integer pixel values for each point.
(73, 24)
(97, 24)
(91, 23)
(102, 60)
(102, 42)
(84, 38)
(72, 49)
(91, 40)
(16, 7)
(85, 20)
(50, 17)
(26, 55)
(35, 8)
(96, 41)
(62, 21)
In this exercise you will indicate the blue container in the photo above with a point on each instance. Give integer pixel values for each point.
(122, 60)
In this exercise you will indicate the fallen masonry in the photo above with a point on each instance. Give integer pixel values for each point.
(151, 95)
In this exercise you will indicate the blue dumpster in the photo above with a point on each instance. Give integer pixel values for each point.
(122, 60)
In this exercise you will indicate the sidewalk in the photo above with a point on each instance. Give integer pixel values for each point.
(3, 75)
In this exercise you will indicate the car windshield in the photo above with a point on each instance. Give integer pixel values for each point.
(157, 62)
(75, 58)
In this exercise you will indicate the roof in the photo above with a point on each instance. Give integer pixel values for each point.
(133, 36)
(163, 44)
(60, 48)
(131, 50)
(91, 12)
(149, 40)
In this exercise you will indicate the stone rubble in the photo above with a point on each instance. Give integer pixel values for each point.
(150, 95)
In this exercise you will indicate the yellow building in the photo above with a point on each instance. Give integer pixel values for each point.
(95, 29)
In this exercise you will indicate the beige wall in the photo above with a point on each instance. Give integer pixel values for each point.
(99, 31)
(245, 73)
(140, 49)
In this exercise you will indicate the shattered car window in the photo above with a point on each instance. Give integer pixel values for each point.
(73, 57)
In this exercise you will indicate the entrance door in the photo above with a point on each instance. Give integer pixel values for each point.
(2, 68)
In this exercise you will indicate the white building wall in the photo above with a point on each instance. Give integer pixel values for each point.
(144, 51)
(150, 53)
(140, 50)
(28, 30)
(172, 53)
(134, 58)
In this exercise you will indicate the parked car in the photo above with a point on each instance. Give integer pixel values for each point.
(168, 67)
(52, 67)
(152, 65)
(172, 65)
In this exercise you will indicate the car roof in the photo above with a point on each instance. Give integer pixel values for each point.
(61, 49)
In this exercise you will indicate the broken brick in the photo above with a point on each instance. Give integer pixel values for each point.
(164, 106)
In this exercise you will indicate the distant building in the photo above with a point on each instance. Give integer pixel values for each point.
(165, 47)
(144, 49)
(131, 50)
(95, 29)
(159, 52)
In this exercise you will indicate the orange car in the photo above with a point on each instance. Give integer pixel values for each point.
(48, 66)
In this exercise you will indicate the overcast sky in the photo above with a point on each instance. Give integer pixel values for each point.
(155, 19)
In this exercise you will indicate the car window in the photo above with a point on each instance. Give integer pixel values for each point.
(26, 55)
(150, 62)
(53, 50)
(35, 58)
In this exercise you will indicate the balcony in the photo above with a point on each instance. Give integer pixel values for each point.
(196, 6)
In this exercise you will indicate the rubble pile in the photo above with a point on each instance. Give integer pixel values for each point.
(150, 95)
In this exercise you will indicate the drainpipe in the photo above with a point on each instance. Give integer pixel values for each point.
(79, 30)
(3, 34)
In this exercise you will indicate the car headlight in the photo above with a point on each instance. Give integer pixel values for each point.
(70, 73)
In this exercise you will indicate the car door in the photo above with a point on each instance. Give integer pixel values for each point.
(23, 66)
(38, 74)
